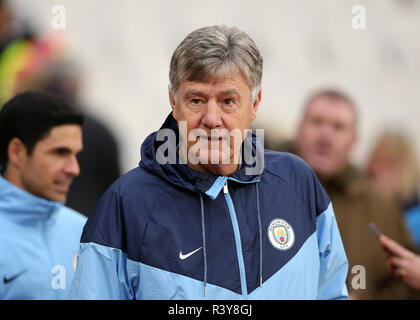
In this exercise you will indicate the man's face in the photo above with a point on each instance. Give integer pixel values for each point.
(52, 166)
(216, 114)
(326, 135)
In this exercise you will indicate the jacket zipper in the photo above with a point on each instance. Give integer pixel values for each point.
(238, 242)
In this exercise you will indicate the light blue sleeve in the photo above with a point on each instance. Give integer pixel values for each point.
(333, 260)
(102, 273)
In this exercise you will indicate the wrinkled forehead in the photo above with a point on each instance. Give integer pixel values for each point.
(216, 74)
(220, 83)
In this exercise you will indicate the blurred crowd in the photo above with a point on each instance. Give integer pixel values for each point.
(384, 191)
(29, 61)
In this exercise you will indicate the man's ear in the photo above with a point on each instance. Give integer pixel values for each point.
(256, 104)
(173, 105)
(17, 152)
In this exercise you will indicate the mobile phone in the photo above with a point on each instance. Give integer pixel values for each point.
(375, 229)
(378, 232)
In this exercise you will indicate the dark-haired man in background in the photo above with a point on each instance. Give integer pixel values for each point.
(40, 136)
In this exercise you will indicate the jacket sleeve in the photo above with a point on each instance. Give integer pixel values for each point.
(103, 269)
(102, 274)
(333, 260)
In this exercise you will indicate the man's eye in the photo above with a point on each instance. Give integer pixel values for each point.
(339, 126)
(316, 121)
(61, 151)
(228, 102)
(195, 101)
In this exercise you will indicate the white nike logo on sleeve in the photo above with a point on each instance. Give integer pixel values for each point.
(185, 256)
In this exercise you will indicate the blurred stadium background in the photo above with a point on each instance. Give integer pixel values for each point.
(123, 50)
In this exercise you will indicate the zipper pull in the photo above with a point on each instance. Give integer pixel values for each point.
(225, 188)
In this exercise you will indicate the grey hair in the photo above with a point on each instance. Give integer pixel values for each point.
(209, 52)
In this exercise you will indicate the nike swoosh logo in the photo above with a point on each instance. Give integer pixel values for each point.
(7, 280)
(185, 256)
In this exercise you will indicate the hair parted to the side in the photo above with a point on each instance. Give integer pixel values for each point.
(210, 52)
(30, 116)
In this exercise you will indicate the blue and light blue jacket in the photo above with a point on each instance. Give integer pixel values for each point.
(166, 231)
(39, 240)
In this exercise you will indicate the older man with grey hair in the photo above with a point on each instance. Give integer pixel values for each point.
(209, 214)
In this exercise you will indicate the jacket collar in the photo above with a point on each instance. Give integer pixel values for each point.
(24, 205)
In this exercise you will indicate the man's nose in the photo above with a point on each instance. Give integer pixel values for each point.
(326, 130)
(212, 117)
(72, 166)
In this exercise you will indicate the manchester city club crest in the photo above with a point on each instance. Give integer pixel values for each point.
(281, 234)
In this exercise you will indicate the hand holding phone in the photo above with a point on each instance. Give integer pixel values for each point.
(375, 229)
(390, 247)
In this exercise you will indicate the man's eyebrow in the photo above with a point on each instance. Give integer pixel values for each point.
(63, 149)
(194, 92)
(200, 93)
(230, 91)
(60, 149)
